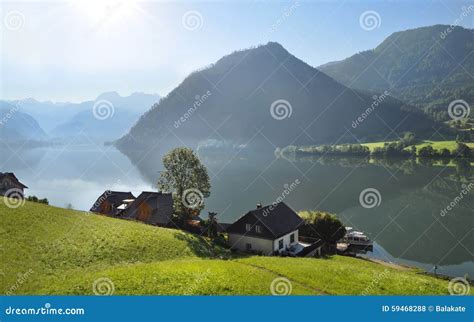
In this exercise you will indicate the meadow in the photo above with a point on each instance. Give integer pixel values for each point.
(48, 250)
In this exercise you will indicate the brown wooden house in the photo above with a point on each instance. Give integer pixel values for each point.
(9, 182)
(112, 203)
(155, 208)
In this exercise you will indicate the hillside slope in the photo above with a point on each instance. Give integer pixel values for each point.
(424, 67)
(47, 250)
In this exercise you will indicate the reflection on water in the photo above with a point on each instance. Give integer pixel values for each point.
(408, 226)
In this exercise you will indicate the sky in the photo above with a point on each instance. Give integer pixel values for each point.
(73, 50)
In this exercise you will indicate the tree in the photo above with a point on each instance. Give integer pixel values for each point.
(427, 152)
(323, 225)
(463, 151)
(186, 177)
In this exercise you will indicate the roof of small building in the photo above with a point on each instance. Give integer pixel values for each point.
(150, 197)
(12, 177)
(116, 198)
(279, 219)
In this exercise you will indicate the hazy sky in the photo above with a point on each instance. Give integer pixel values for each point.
(75, 49)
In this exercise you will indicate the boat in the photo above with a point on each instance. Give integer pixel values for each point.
(354, 237)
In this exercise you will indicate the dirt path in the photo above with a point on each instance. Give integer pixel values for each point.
(306, 286)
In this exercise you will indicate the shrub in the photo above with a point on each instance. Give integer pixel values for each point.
(323, 225)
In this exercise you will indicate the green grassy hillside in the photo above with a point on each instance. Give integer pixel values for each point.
(47, 250)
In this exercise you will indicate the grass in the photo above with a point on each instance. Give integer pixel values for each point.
(372, 146)
(439, 145)
(65, 252)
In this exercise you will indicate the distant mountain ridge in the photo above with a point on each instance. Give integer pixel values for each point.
(427, 67)
(249, 83)
(18, 126)
(64, 120)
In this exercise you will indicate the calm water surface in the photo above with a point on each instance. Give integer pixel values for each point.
(407, 226)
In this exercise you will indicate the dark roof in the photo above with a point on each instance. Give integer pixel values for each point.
(160, 203)
(12, 177)
(279, 220)
(116, 198)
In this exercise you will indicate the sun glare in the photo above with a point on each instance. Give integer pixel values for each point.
(105, 12)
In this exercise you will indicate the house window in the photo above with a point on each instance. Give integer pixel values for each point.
(248, 227)
(248, 246)
(258, 228)
(280, 244)
(292, 238)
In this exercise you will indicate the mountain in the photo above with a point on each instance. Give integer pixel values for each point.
(18, 126)
(108, 117)
(234, 99)
(67, 120)
(427, 67)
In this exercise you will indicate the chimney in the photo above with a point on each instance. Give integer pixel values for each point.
(259, 205)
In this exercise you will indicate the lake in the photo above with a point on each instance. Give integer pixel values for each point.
(409, 221)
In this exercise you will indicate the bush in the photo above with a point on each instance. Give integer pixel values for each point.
(36, 199)
(323, 225)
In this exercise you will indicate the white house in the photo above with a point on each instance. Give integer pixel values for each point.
(270, 229)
